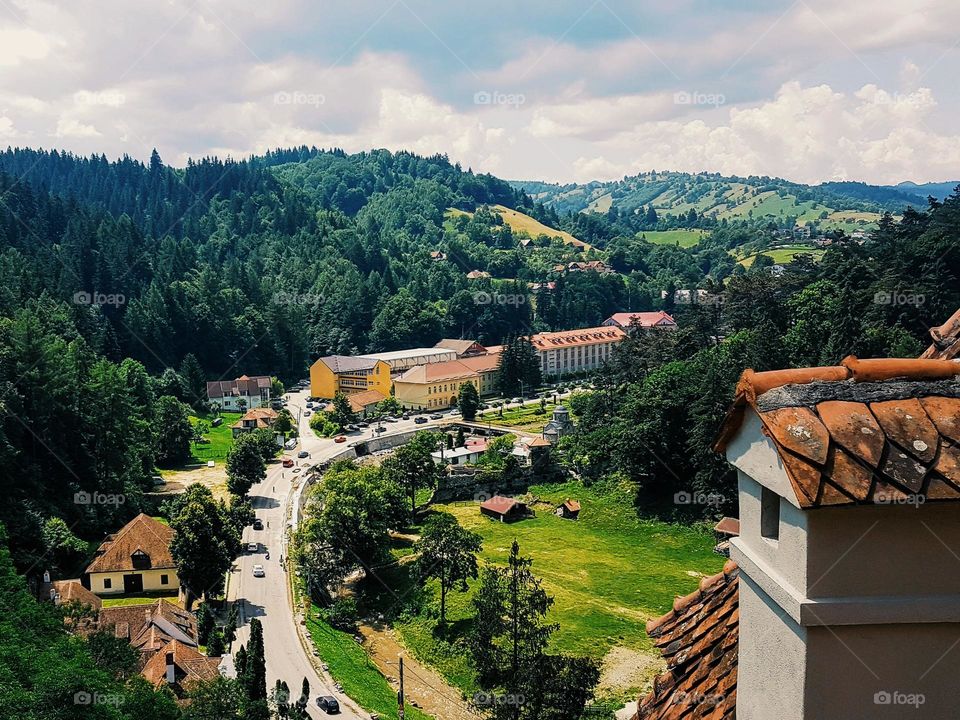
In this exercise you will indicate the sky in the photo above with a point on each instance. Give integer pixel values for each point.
(811, 91)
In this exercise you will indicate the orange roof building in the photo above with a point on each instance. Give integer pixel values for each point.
(135, 559)
(437, 385)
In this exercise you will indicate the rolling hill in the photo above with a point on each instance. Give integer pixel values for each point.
(845, 206)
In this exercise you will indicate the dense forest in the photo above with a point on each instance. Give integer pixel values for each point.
(124, 285)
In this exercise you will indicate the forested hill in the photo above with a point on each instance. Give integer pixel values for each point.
(718, 197)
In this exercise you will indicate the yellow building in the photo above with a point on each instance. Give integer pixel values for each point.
(436, 385)
(135, 559)
(347, 374)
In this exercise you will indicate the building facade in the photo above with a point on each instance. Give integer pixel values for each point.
(243, 393)
(135, 559)
(348, 374)
(437, 385)
(400, 360)
(575, 351)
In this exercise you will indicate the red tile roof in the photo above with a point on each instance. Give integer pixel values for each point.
(190, 667)
(867, 431)
(241, 386)
(698, 639)
(727, 526)
(642, 319)
(499, 504)
(142, 533)
(573, 338)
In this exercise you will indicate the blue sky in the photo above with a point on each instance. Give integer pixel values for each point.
(811, 90)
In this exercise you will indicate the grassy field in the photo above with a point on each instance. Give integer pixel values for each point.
(220, 438)
(685, 238)
(518, 221)
(527, 418)
(784, 255)
(608, 572)
(350, 666)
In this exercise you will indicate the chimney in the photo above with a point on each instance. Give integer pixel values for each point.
(849, 593)
(171, 669)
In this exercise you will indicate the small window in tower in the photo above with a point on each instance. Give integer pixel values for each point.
(769, 514)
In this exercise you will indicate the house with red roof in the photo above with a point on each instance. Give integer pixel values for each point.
(630, 321)
(504, 509)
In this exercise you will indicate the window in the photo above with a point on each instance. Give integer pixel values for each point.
(164, 579)
(769, 514)
(107, 583)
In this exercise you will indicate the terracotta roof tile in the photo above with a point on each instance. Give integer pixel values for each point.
(864, 431)
(190, 667)
(142, 533)
(698, 639)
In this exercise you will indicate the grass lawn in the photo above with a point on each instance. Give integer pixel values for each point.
(220, 438)
(350, 666)
(784, 255)
(146, 598)
(608, 572)
(686, 238)
(526, 418)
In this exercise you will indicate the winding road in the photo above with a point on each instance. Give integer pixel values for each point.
(268, 598)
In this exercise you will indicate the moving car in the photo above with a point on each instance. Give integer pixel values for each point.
(436, 416)
(258, 524)
(258, 571)
(287, 463)
(419, 419)
(378, 430)
(303, 454)
(253, 547)
(340, 438)
(328, 704)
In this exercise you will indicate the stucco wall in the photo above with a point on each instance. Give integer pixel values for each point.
(151, 581)
(770, 683)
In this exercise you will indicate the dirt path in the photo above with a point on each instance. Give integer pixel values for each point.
(423, 686)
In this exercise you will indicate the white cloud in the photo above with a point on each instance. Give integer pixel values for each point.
(6, 127)
(73, 128)
(20, 44)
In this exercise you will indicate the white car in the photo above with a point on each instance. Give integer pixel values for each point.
(253, 547)
(258, 571)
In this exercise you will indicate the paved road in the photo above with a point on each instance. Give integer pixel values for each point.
(267, 598)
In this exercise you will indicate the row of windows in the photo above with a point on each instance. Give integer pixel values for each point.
(108, 582)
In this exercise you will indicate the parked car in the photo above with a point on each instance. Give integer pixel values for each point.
(287, 463)
(390, 419)
(303, 454)
(455, 411)
(352, 428)
(328, 704)
(257, 524)
(516, 400)
(436, 416)
(378, 430)
(307, 413)
(405, 416)
(258, 571)
(340, 438)
(419, 419)
(253, 547)
(363, 424)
